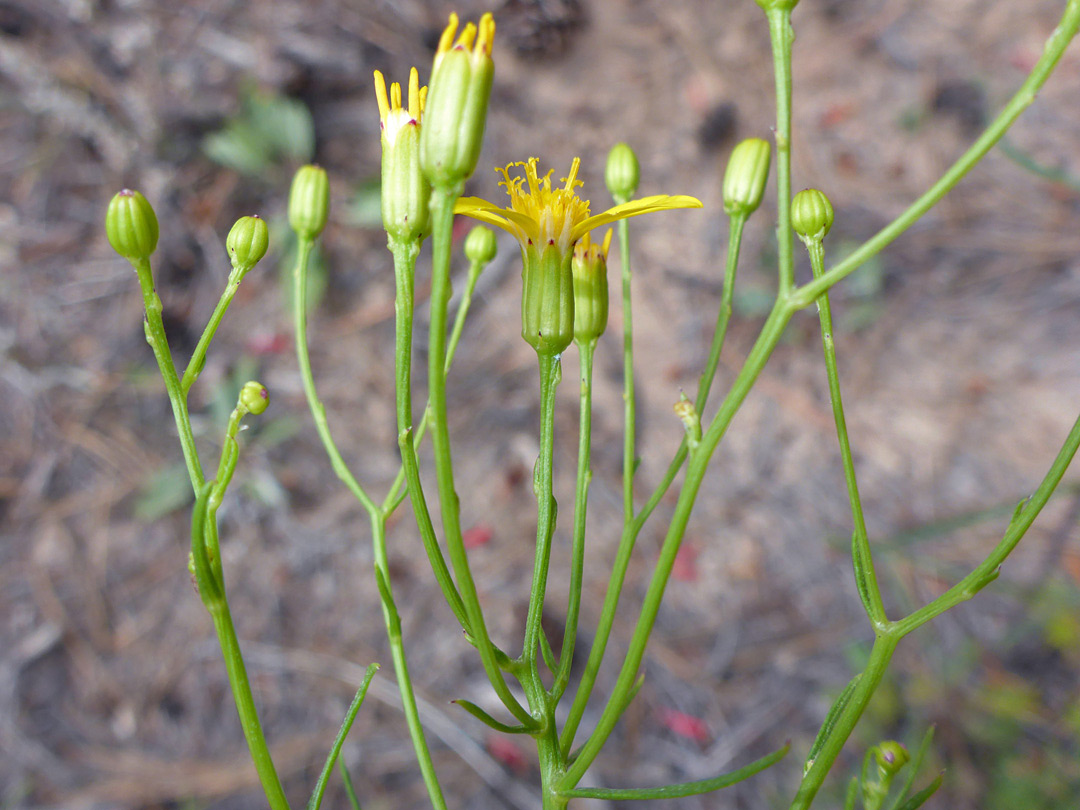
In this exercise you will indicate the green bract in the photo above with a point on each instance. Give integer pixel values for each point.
(746, 175)
(457, 102)
(309, 201)
(811, 214)
(131, 225)
(547, 299)
(247, 242)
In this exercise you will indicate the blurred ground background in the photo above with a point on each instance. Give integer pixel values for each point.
(957, 350)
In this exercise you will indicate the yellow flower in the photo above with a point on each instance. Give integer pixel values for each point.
(393, 117)
(405, 190)
(542, 215)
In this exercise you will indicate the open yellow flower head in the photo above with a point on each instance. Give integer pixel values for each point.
(548, 222)
(405, 190)
(589, 269)
(461, 77)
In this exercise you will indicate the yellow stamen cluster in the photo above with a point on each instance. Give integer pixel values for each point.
(548, 215)
(483, 37)
(392, 114)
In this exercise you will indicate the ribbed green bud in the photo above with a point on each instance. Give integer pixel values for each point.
(309, 201)
(746, 175)
(254, 397)
(405, 190)
(890, 756)
(622, 172)
(247, 242)
(131, 225)
(547, 298)
(457, 101)
(811, 214)
(589, 268)
(779, 5)
(480, 245)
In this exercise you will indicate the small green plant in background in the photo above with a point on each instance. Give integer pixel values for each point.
(431, 139)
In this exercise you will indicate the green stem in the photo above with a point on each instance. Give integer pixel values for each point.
(880, 655)
(339, 740)
(586, 350)
(198, 357)
(546, 509)
(629, 400)
(404, 271)
(1052, 53)
(633, 529)
(695, 473)
(442, 217)
(782, 36)
(155, 336)
(318, 411)
(401, 665)
(862, 559)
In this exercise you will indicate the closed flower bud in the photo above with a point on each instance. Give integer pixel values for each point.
(777, 5)
(589, 267)
(622, 172)
(480, 245)
(890, 756)
(457, 102)
(746, 175)
(811, 214)
(247, 242)
(131, 225)
(405, 190)
(309, 201)
(254, 397)
(547, 299)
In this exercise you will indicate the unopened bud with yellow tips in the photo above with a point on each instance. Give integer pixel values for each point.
(131, 225)
(622, 172)
(405, 190)
(746, 176)
(457, 102)
(247, 242)
(309, 201)
(811, 215)
(589, 268)
(480, 245)
(254, 398)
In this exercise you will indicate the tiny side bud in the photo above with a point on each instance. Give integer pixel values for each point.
(480, 245)
(811, 214)
(309, 201)
(131, 225)
(247, 242)
(622, 172)
(254, 397)
(890, 756)
(746, 176)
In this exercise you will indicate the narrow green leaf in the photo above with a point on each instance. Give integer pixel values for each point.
(852, 793)
(914, 767)
(920, 798)
(488, 720)
(841, 701)
(350, 792)
(335, 749)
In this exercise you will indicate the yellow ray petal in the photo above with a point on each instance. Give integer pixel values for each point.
(660, 202)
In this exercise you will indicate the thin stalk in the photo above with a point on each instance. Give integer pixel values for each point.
(335, 750)
(198, 357)
(633, 529)
(586, 351)
(629, 397)
(781, 36)
(155, 336)
(862, 558)
(442, 217)
(318, 411)
(695, 472)
(1052, 53)
(546, 510)
(401, 665)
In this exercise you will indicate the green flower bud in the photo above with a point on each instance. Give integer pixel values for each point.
(746, 175)
(777, 5)
(811, 214)
(480, 245)
(309, 201)
(622, 172)
(405, 190)
(247, 242)
(254, 397)
(457, 102)
(589, 268)
(131, 225)
(890, 756)
(547, 298)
